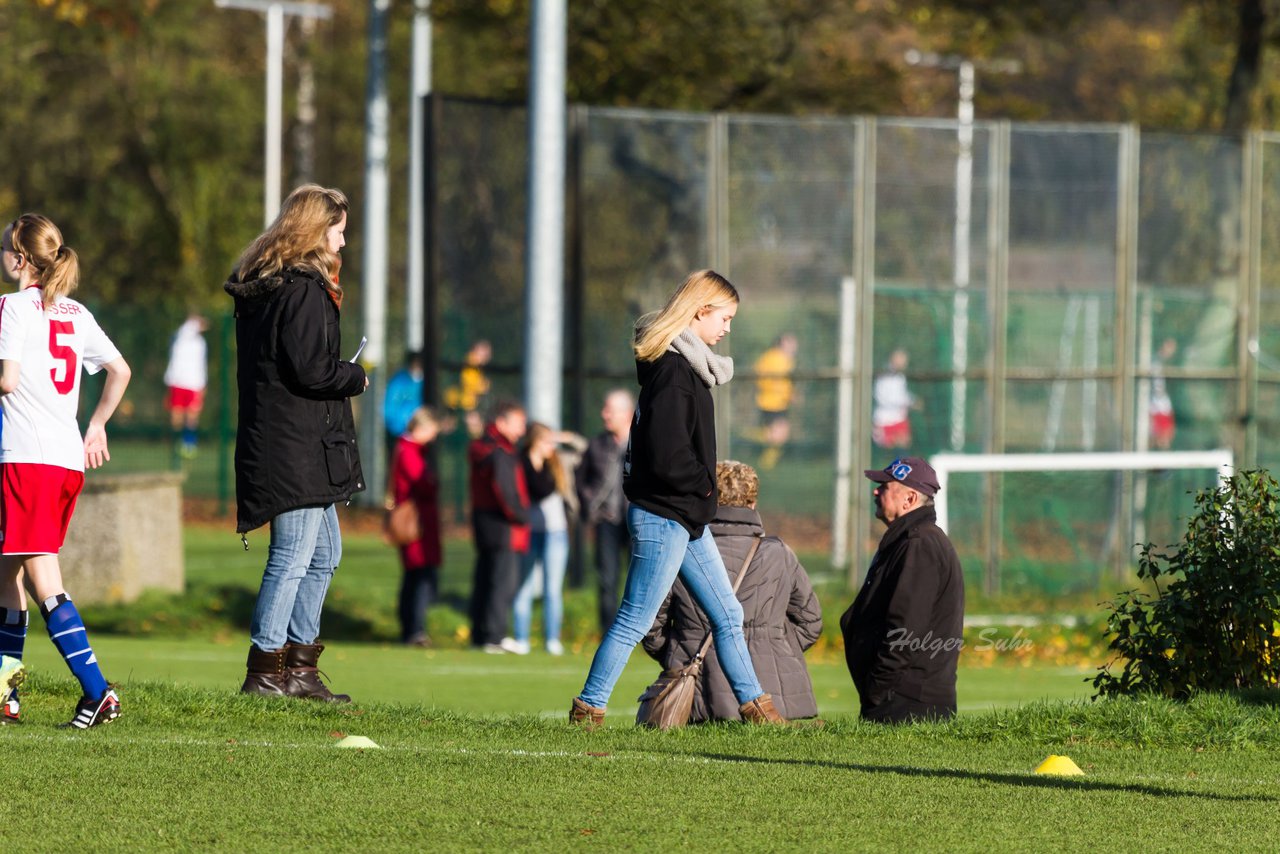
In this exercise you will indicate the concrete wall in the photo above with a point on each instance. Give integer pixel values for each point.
(125, 537)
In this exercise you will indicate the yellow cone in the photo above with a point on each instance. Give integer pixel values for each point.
(358, 741)
(1061, 765)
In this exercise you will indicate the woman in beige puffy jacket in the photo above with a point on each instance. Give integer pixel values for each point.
(782, 617)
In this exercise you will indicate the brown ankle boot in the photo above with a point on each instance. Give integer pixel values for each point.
(589, 716)
(266, 675)
(302, 676)
(761, 711)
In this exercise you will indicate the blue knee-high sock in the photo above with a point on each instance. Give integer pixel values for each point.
(67, 632)
(13, 637)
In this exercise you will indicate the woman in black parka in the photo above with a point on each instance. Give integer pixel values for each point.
(781, 614)
(296, 453)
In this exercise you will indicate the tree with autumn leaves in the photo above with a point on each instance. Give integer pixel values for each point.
(138, 123)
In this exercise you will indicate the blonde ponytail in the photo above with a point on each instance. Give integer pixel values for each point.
(56, 265)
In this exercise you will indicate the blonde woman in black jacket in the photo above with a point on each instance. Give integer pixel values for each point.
(296, 453)
(669, 477)
(781, 614)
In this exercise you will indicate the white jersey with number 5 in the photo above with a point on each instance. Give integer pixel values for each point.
(50, 347)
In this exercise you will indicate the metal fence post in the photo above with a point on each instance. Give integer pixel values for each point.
(575, 301)
(1250, 300)
(433, 119)
(718, 250)
(1128, 177)
(226, 430)
(998, 317)
(864, 263)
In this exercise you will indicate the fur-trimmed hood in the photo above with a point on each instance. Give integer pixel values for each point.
(254, 289)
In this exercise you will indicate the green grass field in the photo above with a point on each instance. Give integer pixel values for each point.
(476, 754)
(197, 769)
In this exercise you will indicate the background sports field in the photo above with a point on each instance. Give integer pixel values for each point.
(475, 753)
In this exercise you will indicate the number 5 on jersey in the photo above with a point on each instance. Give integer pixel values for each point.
(63, 353)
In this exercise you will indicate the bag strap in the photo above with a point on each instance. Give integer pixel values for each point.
(737, 582)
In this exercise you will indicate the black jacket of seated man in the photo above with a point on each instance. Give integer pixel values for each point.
(903, 632)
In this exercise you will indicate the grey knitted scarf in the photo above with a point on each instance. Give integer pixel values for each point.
(712, 368)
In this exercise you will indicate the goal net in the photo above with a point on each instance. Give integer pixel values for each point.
(1054, 522)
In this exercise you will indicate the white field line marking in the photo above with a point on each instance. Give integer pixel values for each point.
(615, 755)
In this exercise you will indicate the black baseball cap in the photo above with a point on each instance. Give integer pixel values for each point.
(909, 471)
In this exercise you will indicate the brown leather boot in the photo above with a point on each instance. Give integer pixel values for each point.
(302, 676)
(266, 675)
(761, 711)
(589, 716)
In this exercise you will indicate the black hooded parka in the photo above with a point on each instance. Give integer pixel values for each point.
(295, 442)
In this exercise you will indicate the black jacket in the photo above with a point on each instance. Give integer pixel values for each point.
(670, 464)
(781, 619)
(599, 481)
(903, 632)
(295, 442)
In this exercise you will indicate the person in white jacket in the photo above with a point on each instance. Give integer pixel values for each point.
(891, 416)
(185, 377)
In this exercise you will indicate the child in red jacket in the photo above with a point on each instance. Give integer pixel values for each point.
(412, 479)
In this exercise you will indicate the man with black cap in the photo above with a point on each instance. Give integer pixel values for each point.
(903, 632)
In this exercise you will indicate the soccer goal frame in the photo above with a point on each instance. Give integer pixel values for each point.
(947, 464)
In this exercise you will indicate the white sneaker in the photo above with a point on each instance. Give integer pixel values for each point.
(493, 649)
(554, 647)
(514, 646)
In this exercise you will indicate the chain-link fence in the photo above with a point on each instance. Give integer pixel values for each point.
(1046, 284)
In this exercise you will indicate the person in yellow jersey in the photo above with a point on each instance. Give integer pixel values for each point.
(775, 392)
(470, 394)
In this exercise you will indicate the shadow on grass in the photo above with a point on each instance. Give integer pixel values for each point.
(1269, 697)
(1019, 780)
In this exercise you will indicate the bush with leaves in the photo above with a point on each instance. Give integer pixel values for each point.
(1213, 623)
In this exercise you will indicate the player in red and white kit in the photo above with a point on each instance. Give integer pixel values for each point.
(45, 339)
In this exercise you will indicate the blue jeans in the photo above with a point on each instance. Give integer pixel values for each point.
(661, 550)
(305, 549)
(548, 550)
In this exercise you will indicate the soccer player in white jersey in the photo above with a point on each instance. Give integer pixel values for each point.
(45, 338)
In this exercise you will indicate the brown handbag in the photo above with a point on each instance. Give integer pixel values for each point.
(403, 526)
(668, 702)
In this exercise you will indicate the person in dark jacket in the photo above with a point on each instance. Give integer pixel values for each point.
(603, 503)
(500, 524)
(669, 476)
(413, 479)
(548, 481)
(296, 454)
(782, 617)
(904, 631)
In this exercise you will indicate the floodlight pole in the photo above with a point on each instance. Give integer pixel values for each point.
(965, 69)
(544, 260)
(415, 333)
(275, 11)
(373, 268)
